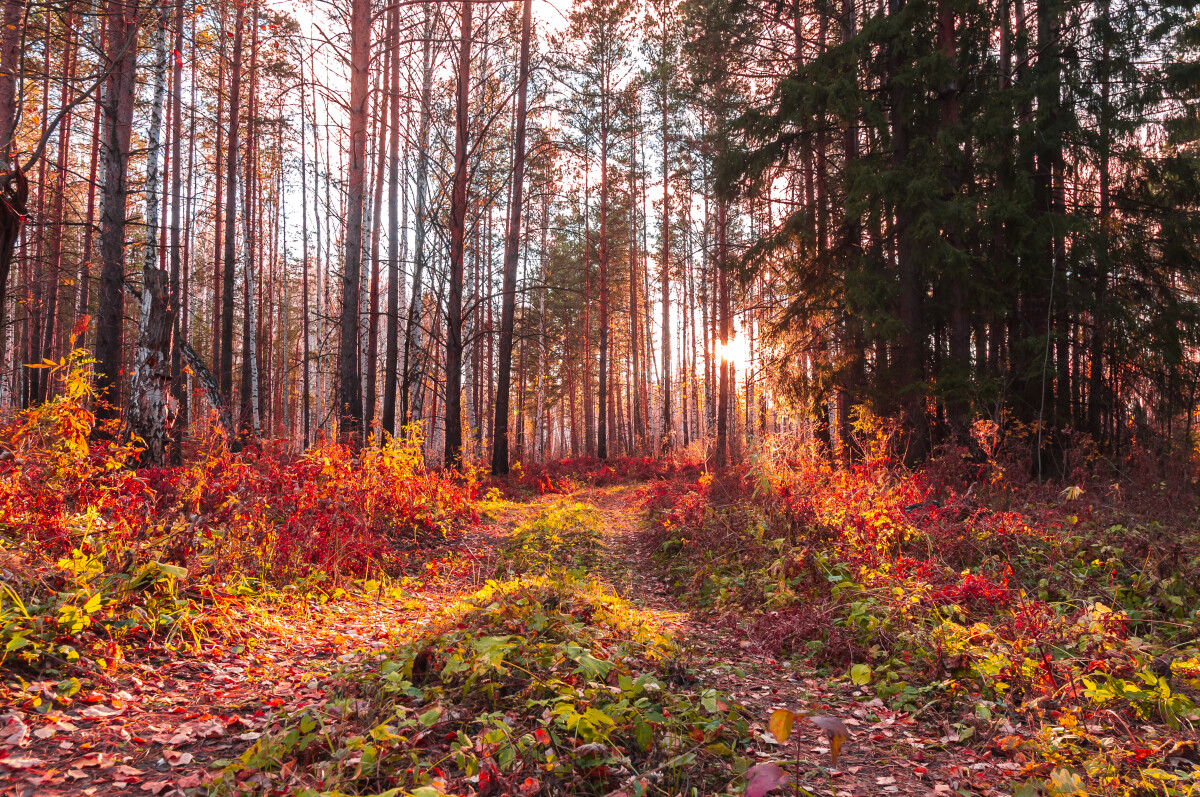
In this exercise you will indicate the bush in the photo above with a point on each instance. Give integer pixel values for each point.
(96, 554)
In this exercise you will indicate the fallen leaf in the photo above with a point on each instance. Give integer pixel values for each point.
(764, 778)
(15, 732)
(177, 759)
(155, 786)
(884, 781)
(21, 763)
(190, 781)
(101, 712)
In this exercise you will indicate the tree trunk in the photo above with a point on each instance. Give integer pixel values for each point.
(118, 127)
(51, 325)
(511, 253)
(305, 372)
(372, 371)
(410, 410)
(250, 422)
(724, 389)
(179, 385)
(16, 189)
(458, 219)
(602, 409)
(350, 411)
(225, 368)
(150, 400)
(665, 274)
(395, 245)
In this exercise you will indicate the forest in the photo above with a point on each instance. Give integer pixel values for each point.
(638, 398)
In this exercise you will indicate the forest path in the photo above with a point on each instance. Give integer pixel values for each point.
(164, 722)
(887, 753)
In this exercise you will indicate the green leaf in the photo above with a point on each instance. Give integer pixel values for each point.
(16, 643)
(1030, 788)
(425, 791)
(860, 674)
(430, 717)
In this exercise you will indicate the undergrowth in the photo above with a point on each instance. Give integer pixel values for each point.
(97, 558)
(543, 683)
(563, 476)
(1055, 627)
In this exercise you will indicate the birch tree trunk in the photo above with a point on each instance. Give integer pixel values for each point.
(225, 368)
(150, 400)
(177, 382)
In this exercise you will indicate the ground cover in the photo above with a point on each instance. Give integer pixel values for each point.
(1051, 629)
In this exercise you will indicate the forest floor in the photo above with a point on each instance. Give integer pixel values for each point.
(168, 723)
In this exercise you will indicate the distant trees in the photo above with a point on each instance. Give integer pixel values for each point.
(956, 242)
(596, 70)
(549, 246)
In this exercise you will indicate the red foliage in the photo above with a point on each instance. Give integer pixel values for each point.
(265, 512)
(975, 591)
(566, 475)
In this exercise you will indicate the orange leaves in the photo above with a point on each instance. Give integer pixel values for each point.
(781, 724)
(782, 720)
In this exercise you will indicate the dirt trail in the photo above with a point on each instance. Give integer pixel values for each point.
(161, 723)
(887, 754)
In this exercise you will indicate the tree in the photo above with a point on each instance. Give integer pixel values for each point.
(511, 254)
(118, 128)
(663, 50)
(458, 221)
(597, 68)
(225, 368)
(150, 397)
(410, 410)
(395, 275)
(350, 410)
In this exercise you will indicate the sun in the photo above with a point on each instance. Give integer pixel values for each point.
(736, 352)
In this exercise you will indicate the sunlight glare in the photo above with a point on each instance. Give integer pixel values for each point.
(735, 352)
